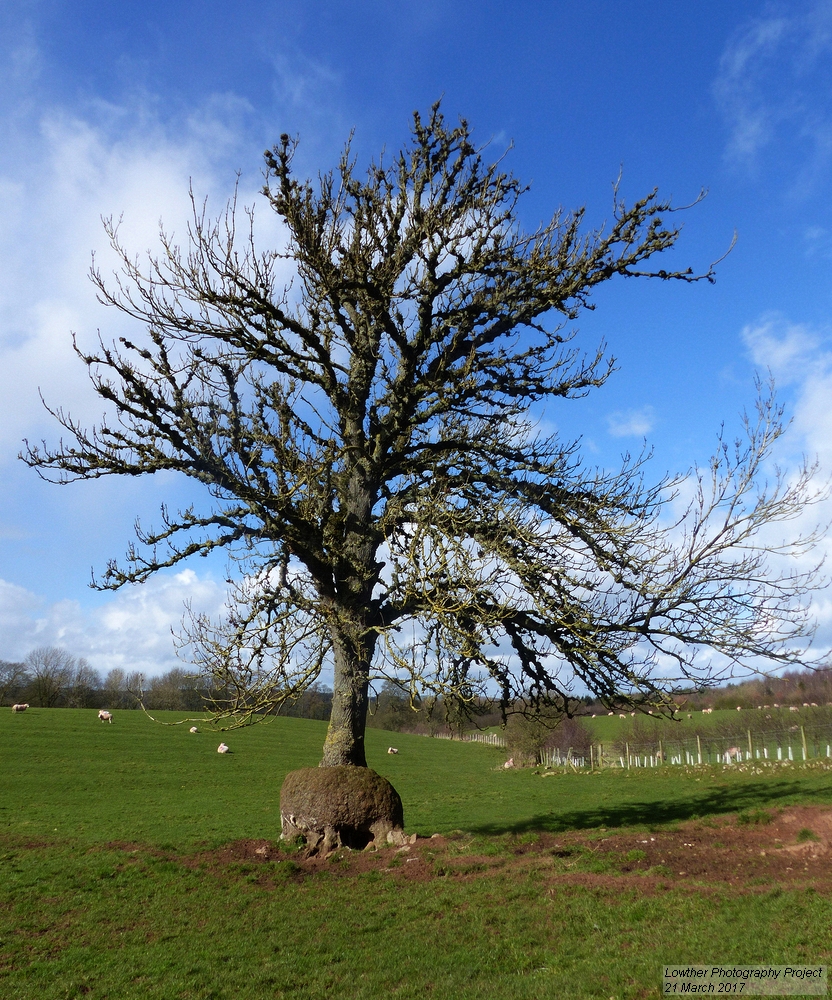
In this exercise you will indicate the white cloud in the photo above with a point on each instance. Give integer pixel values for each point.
(786, 349)
(631, 423)
(62, 179)
(800, 359)
(131, 630)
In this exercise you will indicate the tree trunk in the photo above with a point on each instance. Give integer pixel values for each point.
(352, 654)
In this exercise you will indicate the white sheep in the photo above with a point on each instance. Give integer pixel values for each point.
(193, 729)
(105, 716)
(509, 762)
(392, 750)
(19, 708)
(222, 748)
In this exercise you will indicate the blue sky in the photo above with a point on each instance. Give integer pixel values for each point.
(113, 109)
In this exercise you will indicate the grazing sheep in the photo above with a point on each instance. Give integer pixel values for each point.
(193, 729)
(222, 748)
(392, 750)
(19, 708)
(105, 716)
(610, 713)
(622, 715)
(793, 708)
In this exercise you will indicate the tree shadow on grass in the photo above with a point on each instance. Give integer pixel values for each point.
(704, 803)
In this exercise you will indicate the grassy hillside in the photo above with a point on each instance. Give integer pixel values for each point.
(120, 878)
(68, 776)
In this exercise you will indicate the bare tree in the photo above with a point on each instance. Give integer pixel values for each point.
(84, 686)
(365, 433)
(173, 690)
(115, 688)
(13, 677)
(52, 670)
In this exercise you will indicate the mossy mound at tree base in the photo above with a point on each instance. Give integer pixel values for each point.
(342, 806)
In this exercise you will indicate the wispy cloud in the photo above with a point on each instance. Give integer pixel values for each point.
(631, 423)
(773, 90)
(750, 117)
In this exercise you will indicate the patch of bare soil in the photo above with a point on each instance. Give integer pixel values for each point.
(749, 852)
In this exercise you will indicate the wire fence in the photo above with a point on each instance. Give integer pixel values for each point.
(492, 739)
(798, 743)
(809, 741)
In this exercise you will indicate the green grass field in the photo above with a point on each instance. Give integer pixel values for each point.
(105, 891)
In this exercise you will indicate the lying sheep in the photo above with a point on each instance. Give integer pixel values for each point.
(105, 716)
(193, 729)
(222, 748)
(392, 750)
(19, 708)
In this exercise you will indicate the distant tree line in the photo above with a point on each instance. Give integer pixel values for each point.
(795, 687)
(51, 677)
